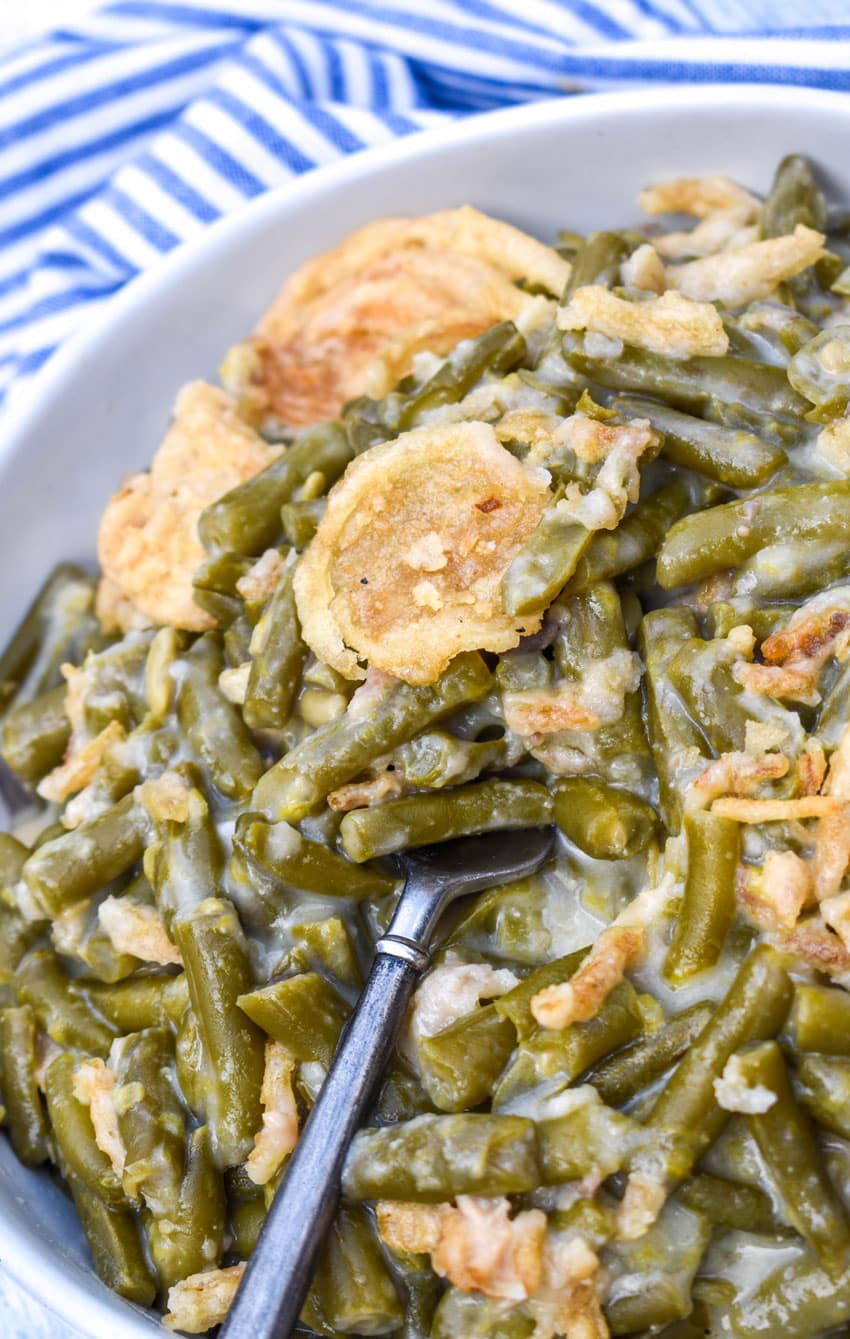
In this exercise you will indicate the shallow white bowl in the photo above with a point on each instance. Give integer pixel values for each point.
(100, 407)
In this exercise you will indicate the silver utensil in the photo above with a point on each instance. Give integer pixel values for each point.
(278, 1275)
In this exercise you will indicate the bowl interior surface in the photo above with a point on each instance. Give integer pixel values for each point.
(100, 408)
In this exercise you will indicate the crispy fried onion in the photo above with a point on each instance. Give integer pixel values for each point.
(80, 764)
(170, 798)
(597, 699)
(199, 1302)
(643, 270)
(670, 324)
(735, 1093)
(747, 273)
(619, 447)
(474, 1244)
(452, 990)
(147, 543)
(352, 320)
(137, 929)
(735, 774)
(832, 838)
(795, 656)
(776, 811)
(620, 945)
(581, 998)
(407, 563)
(772, 896)
(818, 946)
(723, 208)
(278, 1133)
(94, 1085)
(262, 577)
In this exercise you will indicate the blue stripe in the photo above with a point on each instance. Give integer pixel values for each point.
(222, 162)
(14, 281)
(179, 189)
(380, 82)
(61, 112)
(188, 17)
(32, 176)
(290, 50)
(336, 71)
(53, 67)
(50, 306)
(89, 237)
(324, 122)
(26, 227)
(31, 362)
(592, 17)
(261, 131)
(138, 218)
(674, 25)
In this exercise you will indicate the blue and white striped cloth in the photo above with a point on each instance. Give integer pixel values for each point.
(124, 135)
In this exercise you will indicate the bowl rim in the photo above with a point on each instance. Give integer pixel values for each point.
(66, 1292)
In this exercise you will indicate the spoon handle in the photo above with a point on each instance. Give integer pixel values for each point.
(272, 1291)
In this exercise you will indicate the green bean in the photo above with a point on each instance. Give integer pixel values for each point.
(792, 570)
(421, 1289)
(795, 1300)
(195, 1071)
(578, 1136)
(702, 673)
(114, 685)
(433, 1158)
(636, 539)
(692, 384)
(728, 455)
(215, 956)
(719, 537)
(300, 521)
(820, 371)
(186, 863)
(277, 660)
(708, 904)
(21, 1098)
(73, 1130)
(794, 198)
(16, 936)
(78, 933)
(189, 1238)
(623, 1075)
(281, 851)
(675, 741)
(115, 1244)
(151, 1118)
(597, 261)
(237, 641)
(138, 1002)
(653, 1276)
(724, 615)
(823, 1087)
(247, 519)
(214, 586)
(592, 628)
(57, 626)
(604, 822)
(483, 806)
(731, 1204)
(60, 1005)
(515, 1004)
(545, 563)
(791, 1154)
(339, 751)
(72, 868)
(36, 735)
(304, 1013)
(13, 856)
(507, 923)
(820, 1019)
(214, 726)
(353, 1290)
(564, 1054)
(436, 759)
(475, 1316)
(247, 1210)
(682, 1121)
(326, 946)
(460, 1065)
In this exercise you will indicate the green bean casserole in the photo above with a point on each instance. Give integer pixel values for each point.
(476, 533)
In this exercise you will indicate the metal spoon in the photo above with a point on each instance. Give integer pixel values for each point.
(278, 1276)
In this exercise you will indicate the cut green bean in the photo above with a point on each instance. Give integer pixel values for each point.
(115, 1243)
(215, 956)
(189, 1237)
(626, 1073)
(675, 740)
(36, 734)
(636, 539)
(484, 806)
(247, 519)
(460, 1065)
(214, 586)
(727, 455)
(353, 1290)
(708, 904)
(433, 1158)
(73, 1130)
(339, 751)
(151, 1118)
(793, 1158)
(823, 1087)
(298, 863)
(60, 1005)
(820, 1019)
(731, 1204)
(300, 521)
(214, 726)
(304, 1013)
(21, 1098)
(72, 868)
(605, 823)
(277, 660)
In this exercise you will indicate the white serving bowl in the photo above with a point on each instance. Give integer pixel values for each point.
(100, 407)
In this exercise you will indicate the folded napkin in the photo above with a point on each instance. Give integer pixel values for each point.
(123, 136)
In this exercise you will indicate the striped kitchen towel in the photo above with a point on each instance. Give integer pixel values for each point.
(125, 134)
